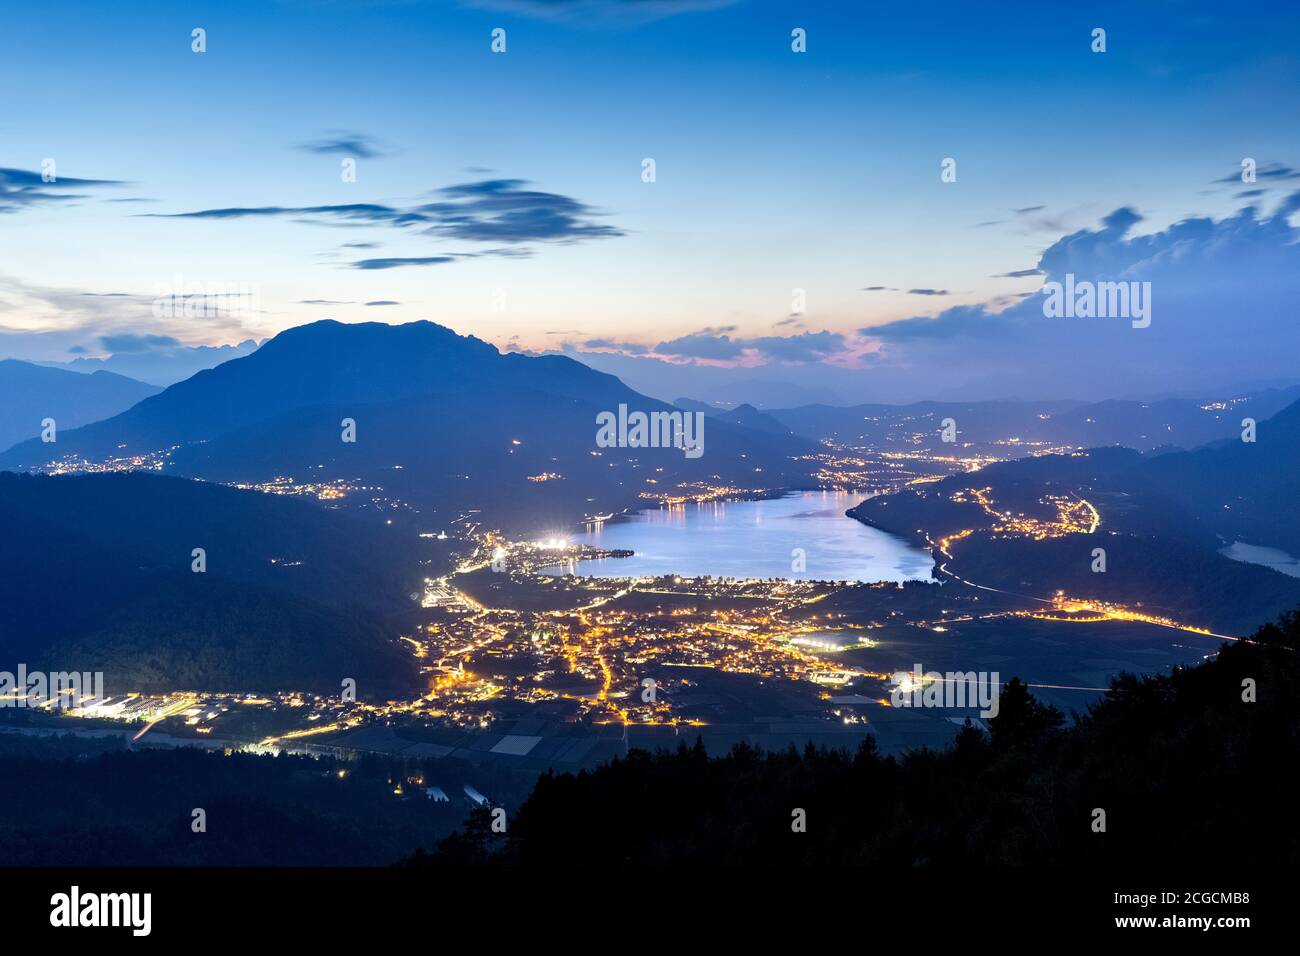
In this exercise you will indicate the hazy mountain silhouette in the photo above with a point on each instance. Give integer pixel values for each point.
(1133, 424)
(160, 364)
(30, 393)
(745, 415)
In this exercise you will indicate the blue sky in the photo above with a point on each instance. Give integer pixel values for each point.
(775, 170)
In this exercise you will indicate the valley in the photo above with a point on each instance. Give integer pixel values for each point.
(494, 595)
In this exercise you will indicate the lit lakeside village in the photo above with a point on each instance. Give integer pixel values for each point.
(527, 662)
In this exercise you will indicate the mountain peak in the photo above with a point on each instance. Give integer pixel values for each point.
(421, 333)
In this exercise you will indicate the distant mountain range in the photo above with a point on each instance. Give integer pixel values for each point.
(747, 416)
(443, 421)
(31, 393)
(160, 365)
(1133, 424)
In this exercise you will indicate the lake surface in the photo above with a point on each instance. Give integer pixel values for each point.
(1274, 558)
(754, 539)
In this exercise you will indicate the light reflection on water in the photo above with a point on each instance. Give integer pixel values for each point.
(755, 539)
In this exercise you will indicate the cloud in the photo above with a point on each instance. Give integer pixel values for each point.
(398, 263)
(130, 342)
(348, 212)
(888, 288)
(501, 210)
(1232, 280)
(44, 321)
(489, 210)
(717, 345)
(383, 302)
(24, 189)
(1027, 219)
(1018, 274)
(345, 144)
(610, 345)
(702, 345)
(1267, 170)
(804, 347)
(325, 302)
(956, 322)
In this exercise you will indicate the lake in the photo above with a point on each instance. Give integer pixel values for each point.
(754, 539)
(1274, 558)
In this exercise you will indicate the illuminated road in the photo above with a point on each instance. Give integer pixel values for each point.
(171, 710)
(1104, 610)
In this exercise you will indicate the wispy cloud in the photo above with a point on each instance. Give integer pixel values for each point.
(713, 345)
(342, 143)
(921, 291)
(490, 210)
(400, 262)
(24, 189)
(1030, 220)
(133, 342)
(501, 210)
(40, 320)
(1267, 171)
(613, 345)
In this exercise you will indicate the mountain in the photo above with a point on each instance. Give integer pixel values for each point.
(161, 365)
(1163, 518)
(691, 405)
(1180, 422)
(95, 574)
(31, 393)
(919, 424)
(443, 422)
(805, 384)
(1242, 491)
(769, 393)
(745, 415)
